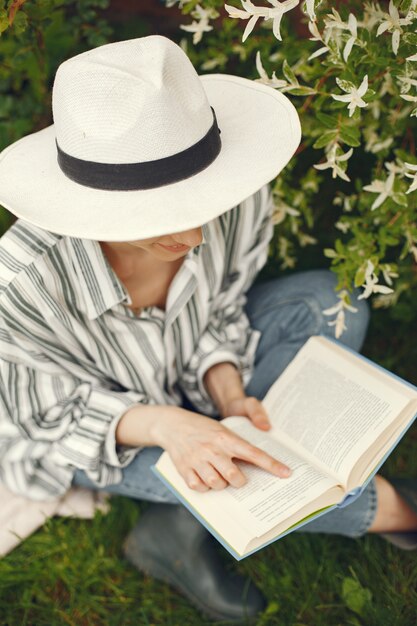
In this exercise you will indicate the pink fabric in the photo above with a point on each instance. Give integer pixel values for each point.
(20, 517)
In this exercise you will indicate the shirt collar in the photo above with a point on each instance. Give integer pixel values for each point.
(99, 286)
(206, 234)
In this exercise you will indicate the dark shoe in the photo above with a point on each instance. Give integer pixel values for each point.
(407, 488)
(169, 544)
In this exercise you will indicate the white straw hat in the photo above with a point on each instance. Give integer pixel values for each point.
(142, 146)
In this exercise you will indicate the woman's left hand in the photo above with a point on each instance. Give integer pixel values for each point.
(251, 407)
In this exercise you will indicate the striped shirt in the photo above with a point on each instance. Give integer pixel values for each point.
(74, 357)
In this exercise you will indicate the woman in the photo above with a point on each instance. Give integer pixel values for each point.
(126, 320)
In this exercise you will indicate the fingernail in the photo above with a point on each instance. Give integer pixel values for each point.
(285, 472)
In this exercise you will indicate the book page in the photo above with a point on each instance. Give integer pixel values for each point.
(266, 500)
(332, 408)
(240, 514)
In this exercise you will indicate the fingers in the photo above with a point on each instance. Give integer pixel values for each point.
(257, 414)
(216, 476)
(205, 458)
(210, 476)
(194, 481)
(229, 471)
(252, 454)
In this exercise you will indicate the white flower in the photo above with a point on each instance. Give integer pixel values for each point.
(339, 309)
(372, 15)
(412, 173)
(409, 98)
(395, 114)
(334, 27)
(354, 95)
(310, 9)
(374, 144)
(353, 28)
(312, 26)
(343, 226)
(339, 324)
(406, 80)
(345, 201)
(253, 13)
(371, 283)
(306, 240)
(393, 23)
(202, 25)
(387, 85)
(388, 274)
(288, 261)
(413, 250)
(382, 145)
(412, 58)
(211, 64)
(274, 82)
(281, 211)
(384, 189)
(398, 167)
(334, 157)
(334, 21)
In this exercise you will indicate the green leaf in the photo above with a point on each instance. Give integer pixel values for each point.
(389, 240)
(350, 136)
(272, 609)
(326, 138)
(288, 73)
(345, 85)
(356, 597)
(302, 91)
(405, 156)
(329, 121)
(410, 38)
(400, 198)
(330, 253)
(20, 22)
(360, 277)
(6, 106)
(4, 21)
(339, 247)
(405, 5)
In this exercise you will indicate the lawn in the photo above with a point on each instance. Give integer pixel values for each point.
(72, 571)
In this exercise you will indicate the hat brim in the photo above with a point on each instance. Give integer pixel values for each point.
(260, 132)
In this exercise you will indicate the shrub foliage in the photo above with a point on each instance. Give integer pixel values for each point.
(351, 71)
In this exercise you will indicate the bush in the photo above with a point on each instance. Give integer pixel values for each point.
(352, 76)
(35, 37)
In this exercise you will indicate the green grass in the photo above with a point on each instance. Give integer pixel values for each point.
(72, 571)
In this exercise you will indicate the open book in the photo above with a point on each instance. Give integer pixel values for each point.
(335, 418)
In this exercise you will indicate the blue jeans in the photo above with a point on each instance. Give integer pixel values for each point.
(287, 311)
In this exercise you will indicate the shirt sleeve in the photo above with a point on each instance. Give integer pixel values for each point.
(228, 336)
(51, 425)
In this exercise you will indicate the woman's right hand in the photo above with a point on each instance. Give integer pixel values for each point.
(203, 450)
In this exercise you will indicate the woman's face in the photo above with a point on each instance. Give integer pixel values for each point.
(166, 247)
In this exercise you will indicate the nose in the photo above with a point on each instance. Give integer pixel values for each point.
(192, 237)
